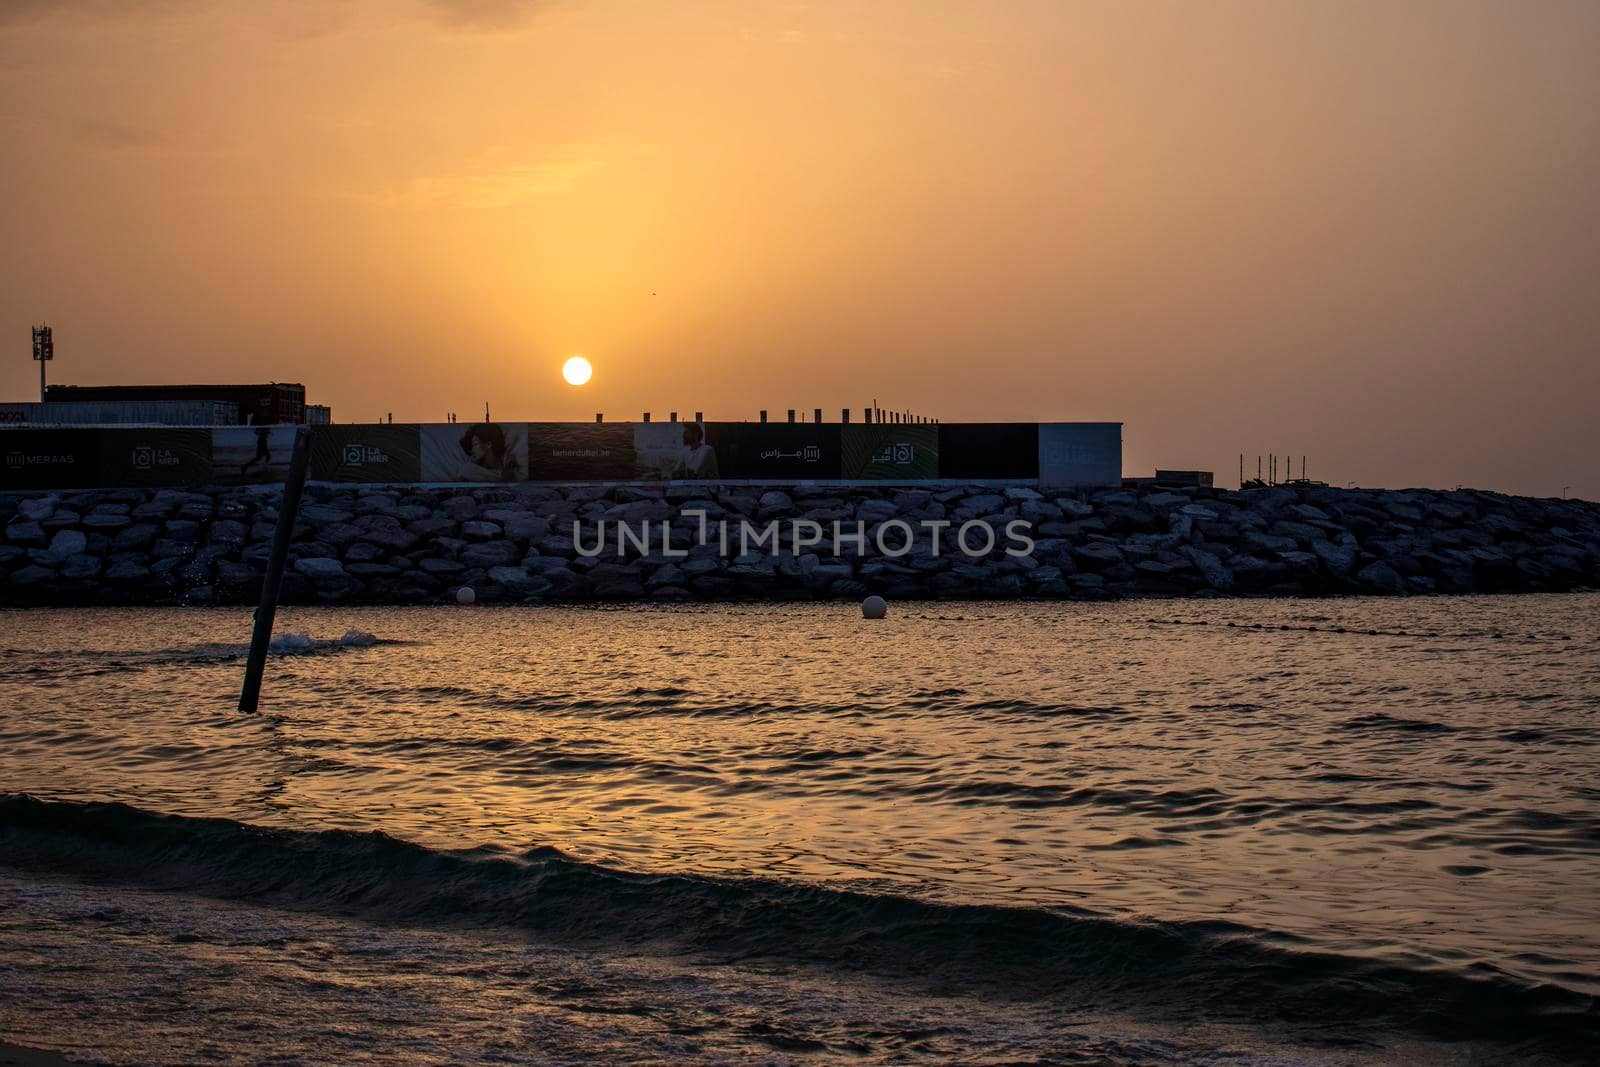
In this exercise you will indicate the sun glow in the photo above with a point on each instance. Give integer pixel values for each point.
(576, 370)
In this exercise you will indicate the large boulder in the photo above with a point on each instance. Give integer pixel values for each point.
(1096, 556)
(518, 580)
(320, 567)
(26, 533)
(616, 581)
(1379, 577)
(68, 543)
(1340, 560)
(490, 553)
(37, 509)
(1216, 573)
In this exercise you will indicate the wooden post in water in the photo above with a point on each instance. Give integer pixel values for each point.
(288, 507)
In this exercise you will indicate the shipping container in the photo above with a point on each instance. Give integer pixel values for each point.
(122, 413)
(273, 402)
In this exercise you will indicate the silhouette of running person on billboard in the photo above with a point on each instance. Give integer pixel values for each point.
(263, 452)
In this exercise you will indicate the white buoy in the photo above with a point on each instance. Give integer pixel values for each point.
(874, 607)
(465, 595)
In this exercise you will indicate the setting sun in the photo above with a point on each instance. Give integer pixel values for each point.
(576, 370)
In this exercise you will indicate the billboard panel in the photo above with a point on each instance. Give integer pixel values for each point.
(674, 450)
(889, 452)
(251, 455)
(1080, 453)
(380, 452)
(783, 451)
(154, 457)
(981, 450)
(479, 452)
(580, 452)
(49, 459)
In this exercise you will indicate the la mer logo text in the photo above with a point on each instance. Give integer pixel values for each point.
(358, 455)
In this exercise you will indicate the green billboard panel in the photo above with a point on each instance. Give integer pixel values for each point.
(154, 456)
(379, 452)
(886, 452)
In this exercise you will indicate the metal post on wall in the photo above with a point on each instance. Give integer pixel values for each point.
(267, 610)
(44, 350)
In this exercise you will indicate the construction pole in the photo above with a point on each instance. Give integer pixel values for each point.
(288, 507)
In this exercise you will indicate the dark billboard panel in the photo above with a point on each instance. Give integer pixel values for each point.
(251, 455)
(49, 459)
(781, 451)
(890, 453)
(475, 452)
(580, 452)
(380, 452)
(981, 450)
(154, 456)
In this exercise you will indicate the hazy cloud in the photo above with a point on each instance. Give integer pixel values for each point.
(21, 11)
(492, 187)
(485, 14)
(111, 133)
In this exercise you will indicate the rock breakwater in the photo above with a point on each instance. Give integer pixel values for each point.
(405, 544)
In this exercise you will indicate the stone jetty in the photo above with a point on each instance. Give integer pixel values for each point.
(418, 545)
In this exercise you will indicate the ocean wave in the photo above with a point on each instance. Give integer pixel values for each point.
(80, 663)
(1189, 970)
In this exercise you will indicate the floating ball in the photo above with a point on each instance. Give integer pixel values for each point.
(874, 607)
(465, 595)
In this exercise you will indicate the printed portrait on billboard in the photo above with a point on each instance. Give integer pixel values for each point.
(476, 452)
(673, 450)
(580, 452)
(890, 453)
(251, 455)
(155, 456)
(380, 452)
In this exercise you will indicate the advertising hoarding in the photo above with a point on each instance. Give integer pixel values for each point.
(475, 452)
(380, 452)
(49, 459)
(580, 452)
(251, 455)
(1080, 453)
(784, 451)
(988, 450)
(154, 456)
(889, 453)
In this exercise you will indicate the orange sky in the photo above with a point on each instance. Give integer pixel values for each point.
(1364, 231)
